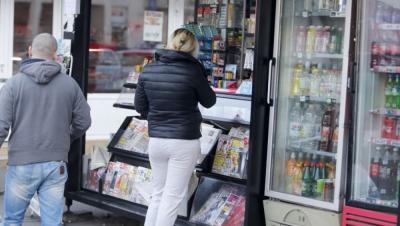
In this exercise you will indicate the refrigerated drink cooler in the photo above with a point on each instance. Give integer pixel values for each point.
(307, 96)
(375, 159)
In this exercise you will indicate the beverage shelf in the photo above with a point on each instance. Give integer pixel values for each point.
(386, 69)
(317, 152)
(318, 55)
(376, 201)
(386, 111)
(314, 99)
(385, 141)
(325, 13)
(395, 27)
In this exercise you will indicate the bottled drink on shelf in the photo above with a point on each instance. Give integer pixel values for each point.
(335, 135)
(297, 73)
(305, 80)
(327, 128)
(379, 13)
(388, 92)
(301, 39)
(298, 174)
(374, 54)
(319, 39)
(308, 124)
(389, 127)
(331, 83)
(339, 40)
(307, 183)
(316, 177)
(311, 38)
(326, 38)
(396, 171)
(333, 41)
(331, 169)
(396, 16)
(308, 5)
(329, 189)
(313, 164)
(290, 171)
(295, 124)
(374, 169)
(386, 177)
(315, 81)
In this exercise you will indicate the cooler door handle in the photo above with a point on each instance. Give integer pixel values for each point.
(270, 81)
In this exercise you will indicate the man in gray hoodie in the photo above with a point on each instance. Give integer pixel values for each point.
(44, 110)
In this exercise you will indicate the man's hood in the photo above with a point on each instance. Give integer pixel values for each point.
(41, 71)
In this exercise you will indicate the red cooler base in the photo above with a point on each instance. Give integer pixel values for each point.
(360, 217)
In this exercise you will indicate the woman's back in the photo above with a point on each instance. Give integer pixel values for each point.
(173, 85)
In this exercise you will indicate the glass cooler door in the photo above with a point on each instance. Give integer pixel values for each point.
(376, 157)
(306, 120)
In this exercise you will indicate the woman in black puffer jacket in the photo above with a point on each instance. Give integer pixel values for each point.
(168, 93)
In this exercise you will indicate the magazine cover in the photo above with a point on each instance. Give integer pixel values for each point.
(220, 154)
(231, 155)
(236, 216)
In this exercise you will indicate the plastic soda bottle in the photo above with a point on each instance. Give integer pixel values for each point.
(388, 92)
(374, 169)
(301, 39)
(315, 81)
(290, 170)
(295, 126)
(297, 72)
(307, 183)
(298, 175)
(311, 36)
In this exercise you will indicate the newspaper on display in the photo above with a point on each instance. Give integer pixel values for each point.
(135, 137)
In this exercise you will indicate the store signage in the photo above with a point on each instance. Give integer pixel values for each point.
(153, 26)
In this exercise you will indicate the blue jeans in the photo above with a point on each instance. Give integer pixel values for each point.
(22, 181)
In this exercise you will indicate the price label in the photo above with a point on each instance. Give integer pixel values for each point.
(379, 141)
(299, 55)
(396, 143)
(303, 98)
(305, 14)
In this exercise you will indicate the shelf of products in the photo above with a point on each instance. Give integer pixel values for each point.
(318, 56)
(317, 99)
(313, 152)
(222, 37)
(386, 111)
(385, 141)
(324, 13)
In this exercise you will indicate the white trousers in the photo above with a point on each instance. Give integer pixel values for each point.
(172, 163)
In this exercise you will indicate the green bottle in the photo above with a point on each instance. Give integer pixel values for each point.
(317, 176)
(307, 184)
(388, 92)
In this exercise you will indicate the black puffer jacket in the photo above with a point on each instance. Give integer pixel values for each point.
(168, 93)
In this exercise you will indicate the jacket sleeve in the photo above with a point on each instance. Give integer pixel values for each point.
(81, 119)
(141, 102)
(6, 111)
(204, 92)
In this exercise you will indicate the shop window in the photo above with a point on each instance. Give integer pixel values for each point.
(118, 41)
(30, 18)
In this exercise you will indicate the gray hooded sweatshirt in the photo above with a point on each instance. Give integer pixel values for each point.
(45, 110)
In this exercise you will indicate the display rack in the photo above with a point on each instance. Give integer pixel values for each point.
(138, 211)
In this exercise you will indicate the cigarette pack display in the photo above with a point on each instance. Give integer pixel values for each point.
(231, 154)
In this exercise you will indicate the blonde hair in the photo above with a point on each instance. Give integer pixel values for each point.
(185, 41)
